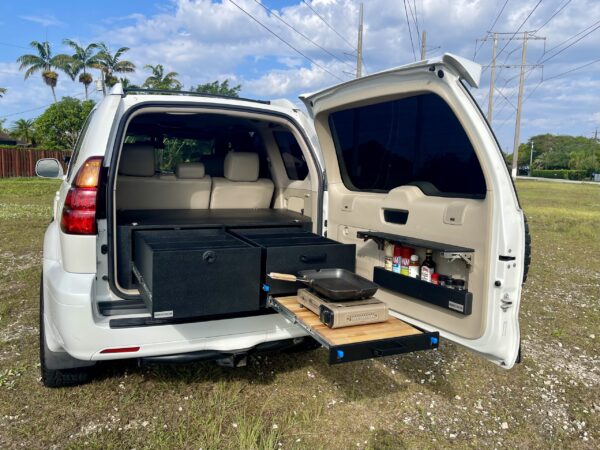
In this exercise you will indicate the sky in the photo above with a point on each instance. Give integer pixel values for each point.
(207, 40)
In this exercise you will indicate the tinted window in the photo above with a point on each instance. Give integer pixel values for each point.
(416, 140)
(293, 159)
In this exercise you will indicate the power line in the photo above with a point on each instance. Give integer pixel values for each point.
(284, 41)
(329, 26)
(415, 20)
(491, 28)
(596, 24)
(36, 109)
(520, 26)
(7, 44)
(572, 70)
(553, 15)
(410, 32)
(302, 34)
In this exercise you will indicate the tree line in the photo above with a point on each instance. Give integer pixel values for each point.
(59, 125)
(560, 152)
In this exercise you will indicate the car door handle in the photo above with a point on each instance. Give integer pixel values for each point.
(314, 258)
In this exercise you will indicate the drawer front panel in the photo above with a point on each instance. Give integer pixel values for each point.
(293, 259)
(206, 281)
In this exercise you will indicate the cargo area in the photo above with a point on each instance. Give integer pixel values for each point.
(205, 205)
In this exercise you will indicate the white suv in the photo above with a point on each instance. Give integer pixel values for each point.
(176, 206)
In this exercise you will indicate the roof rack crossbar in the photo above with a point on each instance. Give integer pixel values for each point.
(127, 91)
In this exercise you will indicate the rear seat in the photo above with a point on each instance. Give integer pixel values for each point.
(241, 188)
(138, 187)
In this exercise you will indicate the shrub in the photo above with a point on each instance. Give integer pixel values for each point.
(561, 174)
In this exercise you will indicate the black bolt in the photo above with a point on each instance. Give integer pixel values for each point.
(104, 249)
(441, 73)
(497, 283)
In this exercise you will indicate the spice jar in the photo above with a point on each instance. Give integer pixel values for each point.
(414, 267)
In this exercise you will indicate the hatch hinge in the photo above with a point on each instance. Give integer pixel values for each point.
(453, 256)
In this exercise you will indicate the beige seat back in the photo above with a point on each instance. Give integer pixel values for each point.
(138, 187)
(241, 188)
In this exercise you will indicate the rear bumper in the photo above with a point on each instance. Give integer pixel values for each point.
(74, 326)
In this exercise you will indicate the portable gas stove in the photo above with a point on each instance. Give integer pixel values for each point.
(337, 314)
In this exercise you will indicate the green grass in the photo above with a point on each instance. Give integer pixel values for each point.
(442, 399)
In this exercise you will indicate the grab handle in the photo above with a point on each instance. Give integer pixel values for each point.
(282, 276)
(313, 259)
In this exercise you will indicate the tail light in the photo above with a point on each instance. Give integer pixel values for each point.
(79, 210)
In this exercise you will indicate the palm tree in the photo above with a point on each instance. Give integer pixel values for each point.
(81, 60)
(2, 92)
(44, 62)
(160, 80)
(126, 83)
(110, 64)
(24, 129)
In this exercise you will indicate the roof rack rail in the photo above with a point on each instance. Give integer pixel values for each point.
(127, 91)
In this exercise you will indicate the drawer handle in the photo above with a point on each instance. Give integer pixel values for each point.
(388, 351)
(209, 257)
(313, 259)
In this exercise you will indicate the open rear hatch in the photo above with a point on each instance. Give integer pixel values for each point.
(354, 343)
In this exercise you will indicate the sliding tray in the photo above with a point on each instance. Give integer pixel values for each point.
(391, 337)
(291, 250)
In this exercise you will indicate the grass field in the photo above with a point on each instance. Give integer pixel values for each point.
(421, 400)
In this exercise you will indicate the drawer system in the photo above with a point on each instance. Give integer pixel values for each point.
(194, 273)
(290, 250)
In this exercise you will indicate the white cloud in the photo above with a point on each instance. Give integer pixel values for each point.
(45, 20)
(205, 40)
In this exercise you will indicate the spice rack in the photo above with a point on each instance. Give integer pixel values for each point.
(454, 300)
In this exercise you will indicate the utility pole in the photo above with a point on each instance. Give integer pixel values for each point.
(359, 47)
(492, 79)
(531, 158)
(423, 45)
(515, 161)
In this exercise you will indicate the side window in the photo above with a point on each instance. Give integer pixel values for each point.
(293, 159)
(415, 140)
(78, 144)
(175, 150)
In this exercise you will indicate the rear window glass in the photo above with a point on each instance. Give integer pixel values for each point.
(415, 140)
(293, 159)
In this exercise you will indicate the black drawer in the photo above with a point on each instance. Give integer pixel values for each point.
(195, 273)
(290, 250)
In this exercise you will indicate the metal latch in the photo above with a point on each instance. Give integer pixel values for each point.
(453, 256)
(506, 302)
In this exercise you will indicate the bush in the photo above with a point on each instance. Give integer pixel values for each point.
(562, 174)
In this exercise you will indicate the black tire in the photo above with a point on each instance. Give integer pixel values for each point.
(55, 378)
(527, 260)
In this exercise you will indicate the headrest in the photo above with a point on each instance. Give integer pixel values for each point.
(137, 160)
(190, 170)
(241, 166)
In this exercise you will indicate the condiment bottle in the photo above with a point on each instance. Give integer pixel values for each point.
(413, 268)
(443, 280)
(428, 266)
(405, 263)
(389, 255)
(434, 278)
(397, 258)
(458, 284)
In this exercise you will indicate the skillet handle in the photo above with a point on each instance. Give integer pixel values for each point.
(282, 276)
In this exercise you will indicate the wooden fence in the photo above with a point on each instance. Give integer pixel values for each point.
(20, 162)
